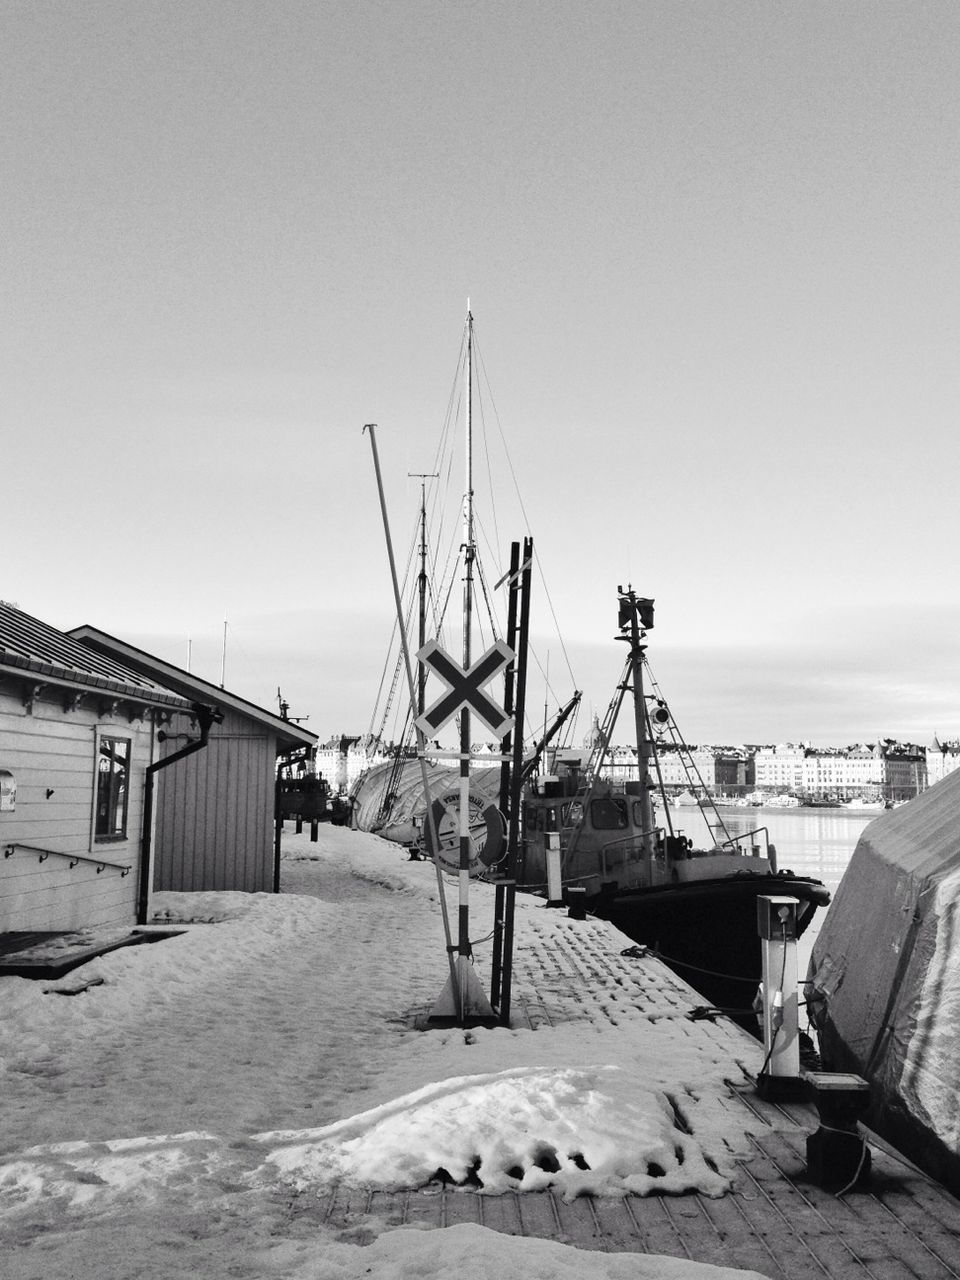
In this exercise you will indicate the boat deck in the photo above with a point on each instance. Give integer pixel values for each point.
(775, 1220)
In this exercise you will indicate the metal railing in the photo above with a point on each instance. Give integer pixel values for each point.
(43, 854)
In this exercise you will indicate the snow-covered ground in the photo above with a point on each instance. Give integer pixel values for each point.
(162, 1121)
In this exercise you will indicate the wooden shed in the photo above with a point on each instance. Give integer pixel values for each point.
(78, 732)
(215, 809)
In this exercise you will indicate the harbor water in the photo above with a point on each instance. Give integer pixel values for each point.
(809, 842)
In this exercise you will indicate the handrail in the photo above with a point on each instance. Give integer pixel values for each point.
(100, 863)
(747, 835)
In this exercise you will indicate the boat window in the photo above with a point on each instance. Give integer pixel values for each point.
(572, 813)
(608, 814)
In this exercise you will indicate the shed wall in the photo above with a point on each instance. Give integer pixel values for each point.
(215, 812)
(50, 749)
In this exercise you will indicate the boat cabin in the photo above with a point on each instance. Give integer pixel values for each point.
(609, 838)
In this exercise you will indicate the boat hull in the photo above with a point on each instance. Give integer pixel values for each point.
(706, 930)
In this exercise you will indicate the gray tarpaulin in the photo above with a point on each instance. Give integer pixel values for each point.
(405, 818)
(884, 977)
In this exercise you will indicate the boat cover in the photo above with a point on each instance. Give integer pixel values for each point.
(405, 818)
(884, 977)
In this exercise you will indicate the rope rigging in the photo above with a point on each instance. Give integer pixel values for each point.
(446, 552)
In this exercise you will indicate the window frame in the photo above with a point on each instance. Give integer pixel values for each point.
(119, 790)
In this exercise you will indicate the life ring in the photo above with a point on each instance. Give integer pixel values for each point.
(487, 828)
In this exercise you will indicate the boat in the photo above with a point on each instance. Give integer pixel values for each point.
(695, 906)
(685, 800)
(883, 986)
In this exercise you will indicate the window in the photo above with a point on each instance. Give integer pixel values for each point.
(113, 779)
(608, 814)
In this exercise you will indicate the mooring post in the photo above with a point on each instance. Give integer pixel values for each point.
(838, 1158)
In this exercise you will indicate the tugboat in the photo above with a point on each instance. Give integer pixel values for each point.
(621, 855)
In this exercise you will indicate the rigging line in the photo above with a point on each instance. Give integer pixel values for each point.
(453, 401)
(396, 674)
(689, 764)
(485, 591)
(486, 453)
(377, 705)
(481, 369)
(383, 678)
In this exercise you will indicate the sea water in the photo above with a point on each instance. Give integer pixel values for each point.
(810, 842)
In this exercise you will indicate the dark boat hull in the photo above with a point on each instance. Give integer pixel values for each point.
(706, 930)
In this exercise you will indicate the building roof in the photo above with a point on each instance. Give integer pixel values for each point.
(31, 647)
(190, 686)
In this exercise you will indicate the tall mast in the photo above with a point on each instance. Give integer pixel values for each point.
(636, 619)
(423, 477)
(463, 940)
(469, 550)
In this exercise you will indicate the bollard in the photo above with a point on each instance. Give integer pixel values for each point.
(838, 1157)
(314, 829)
(577, 902)
(299, 824)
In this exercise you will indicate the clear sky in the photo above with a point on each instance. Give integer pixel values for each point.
(712, 250)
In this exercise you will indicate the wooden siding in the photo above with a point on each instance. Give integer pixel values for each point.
(215, 811)
(55, 750)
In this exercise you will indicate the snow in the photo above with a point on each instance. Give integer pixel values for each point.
(164, 1119)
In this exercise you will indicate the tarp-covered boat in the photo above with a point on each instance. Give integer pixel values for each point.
(884, 977)
(389, 800)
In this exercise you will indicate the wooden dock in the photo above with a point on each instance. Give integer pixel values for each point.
(775, 1220)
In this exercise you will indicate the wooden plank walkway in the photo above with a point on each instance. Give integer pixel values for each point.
(774, 1220)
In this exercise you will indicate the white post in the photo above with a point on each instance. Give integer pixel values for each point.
(777, 923)
(554, 883)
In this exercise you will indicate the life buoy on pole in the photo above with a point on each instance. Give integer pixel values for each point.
(488, 833)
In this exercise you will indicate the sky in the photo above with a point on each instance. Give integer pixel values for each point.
(146, 1131)
(711, 254)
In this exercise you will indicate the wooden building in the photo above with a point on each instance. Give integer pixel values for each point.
(78, 732)
(215, 809)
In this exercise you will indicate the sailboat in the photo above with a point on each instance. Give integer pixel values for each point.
(584, 839)
(391, 798)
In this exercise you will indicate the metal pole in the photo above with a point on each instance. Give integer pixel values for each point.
(421, 739)
(508, 688)
(516, 783)
(423, 477)
(640, 720)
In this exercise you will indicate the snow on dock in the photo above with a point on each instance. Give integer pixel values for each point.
(252, 1098)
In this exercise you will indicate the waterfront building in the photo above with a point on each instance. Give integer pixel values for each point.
(342, 760)
(942, 758)
(779, 769)
(905, 770)
(731, 770)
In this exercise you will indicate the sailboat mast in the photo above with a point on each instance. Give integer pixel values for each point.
(423, 477)
(469, 551)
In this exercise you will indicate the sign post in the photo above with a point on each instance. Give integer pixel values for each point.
(464, 692)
